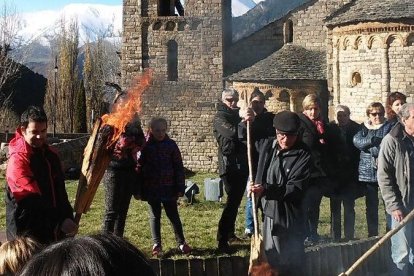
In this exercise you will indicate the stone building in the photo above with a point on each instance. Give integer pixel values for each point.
(298, 67)
(370, 52)
(186, 56)
(285, 77)
(349, 52)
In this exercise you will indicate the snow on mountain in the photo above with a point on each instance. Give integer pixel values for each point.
(240, 7)
(93, 19)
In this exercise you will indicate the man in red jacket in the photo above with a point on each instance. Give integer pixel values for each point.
(37, 204)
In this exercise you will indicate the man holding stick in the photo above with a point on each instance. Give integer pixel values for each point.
(282, 177)
(37, 204)
(395, 167)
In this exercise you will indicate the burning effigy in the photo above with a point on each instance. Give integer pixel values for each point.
(106, 133)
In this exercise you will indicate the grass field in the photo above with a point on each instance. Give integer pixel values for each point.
(199, 221)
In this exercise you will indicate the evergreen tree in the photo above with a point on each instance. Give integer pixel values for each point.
(80, 110)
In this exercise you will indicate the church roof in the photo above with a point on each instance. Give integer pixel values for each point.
(291, 62)
(372, 10)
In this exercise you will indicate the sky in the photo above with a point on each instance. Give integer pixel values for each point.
(38, 5)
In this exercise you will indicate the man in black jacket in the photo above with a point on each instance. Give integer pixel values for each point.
(232, 163)
(345, 156)
(282, 177)
(261, 129)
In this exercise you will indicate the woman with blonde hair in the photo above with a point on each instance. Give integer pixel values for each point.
(313, 132)
(16, 253)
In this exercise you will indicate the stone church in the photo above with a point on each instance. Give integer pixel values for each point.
(349, 52)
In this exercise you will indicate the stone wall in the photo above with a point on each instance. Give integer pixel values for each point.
(308, 28)
(368, 61)
(187, 101)
(264, 42)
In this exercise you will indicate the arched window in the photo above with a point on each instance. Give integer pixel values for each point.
(284, 96)
(172, 60)
(288, 32)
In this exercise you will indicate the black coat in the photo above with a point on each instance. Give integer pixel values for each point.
(231, 152)
(261, 129)
(285, 176)
(309, 135)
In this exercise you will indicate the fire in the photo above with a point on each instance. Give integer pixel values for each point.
(125, 109)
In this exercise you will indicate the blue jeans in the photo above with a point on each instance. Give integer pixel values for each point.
(402, 245)
(249, 215)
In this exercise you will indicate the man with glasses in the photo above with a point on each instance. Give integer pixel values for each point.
(282, 177)
(232, 163)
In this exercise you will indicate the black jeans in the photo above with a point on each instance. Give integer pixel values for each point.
(371, 211)
(234, 185)
(171, 210)
(348, 202)
(119, 186)
(318, 187)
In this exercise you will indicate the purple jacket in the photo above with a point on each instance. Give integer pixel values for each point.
(162, 170)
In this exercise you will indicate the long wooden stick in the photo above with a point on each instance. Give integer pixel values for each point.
(379, 243)
(250, 163)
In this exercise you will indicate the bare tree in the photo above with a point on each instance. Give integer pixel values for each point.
(101, 67)
(60, 96)
(9, 69)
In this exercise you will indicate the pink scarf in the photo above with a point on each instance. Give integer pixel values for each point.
(320, 128)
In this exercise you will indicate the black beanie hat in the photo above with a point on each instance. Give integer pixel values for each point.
(286, 122)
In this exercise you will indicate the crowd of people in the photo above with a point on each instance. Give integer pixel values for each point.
(297, 158)
(300, 157)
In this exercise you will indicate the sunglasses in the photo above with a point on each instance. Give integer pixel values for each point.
(288, 135)
(231, 100)
(374, 114)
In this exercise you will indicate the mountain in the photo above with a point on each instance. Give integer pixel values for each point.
(38, 30)
(93, 19)
(262, 14)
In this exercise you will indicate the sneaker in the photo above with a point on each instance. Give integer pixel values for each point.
(247, 233)
(156, 250)
(184, 248)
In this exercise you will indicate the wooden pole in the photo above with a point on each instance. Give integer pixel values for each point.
(251, 181)
(379, 243)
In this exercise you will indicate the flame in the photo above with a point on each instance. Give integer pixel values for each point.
(126, 108)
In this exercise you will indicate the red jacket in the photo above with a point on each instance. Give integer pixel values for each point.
(36, 199)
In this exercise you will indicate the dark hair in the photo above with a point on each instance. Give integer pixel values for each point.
(257, 93)
(99, 254)
(392, 97)
(33, 114)
(157, 120)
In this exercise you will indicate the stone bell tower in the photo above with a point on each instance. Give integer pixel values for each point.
(183, 45)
